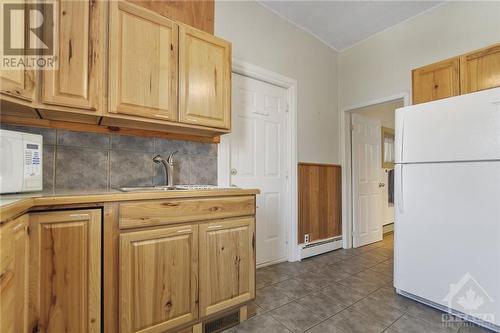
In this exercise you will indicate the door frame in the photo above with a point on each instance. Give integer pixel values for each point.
(224, 154)
(345, 149)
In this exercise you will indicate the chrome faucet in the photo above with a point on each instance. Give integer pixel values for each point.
(168, 166)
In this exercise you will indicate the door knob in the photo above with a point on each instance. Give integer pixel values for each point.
(234, 172)
(381, 184)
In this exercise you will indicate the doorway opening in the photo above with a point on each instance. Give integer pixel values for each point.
(370, 163)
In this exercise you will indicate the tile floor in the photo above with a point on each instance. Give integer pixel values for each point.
(342, 291)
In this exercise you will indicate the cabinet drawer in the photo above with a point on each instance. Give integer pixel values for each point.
(161, 212)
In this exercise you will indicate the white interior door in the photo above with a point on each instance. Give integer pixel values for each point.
(367, 198)
(257, 159)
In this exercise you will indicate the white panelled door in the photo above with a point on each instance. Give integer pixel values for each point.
(368, 213)
(257, 145)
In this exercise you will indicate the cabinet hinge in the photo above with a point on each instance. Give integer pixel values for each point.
(287, 107)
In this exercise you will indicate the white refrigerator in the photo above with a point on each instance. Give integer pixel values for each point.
(447, 206)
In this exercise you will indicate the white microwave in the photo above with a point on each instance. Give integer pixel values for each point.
(20, 162)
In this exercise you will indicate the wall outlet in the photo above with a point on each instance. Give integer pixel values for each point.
(306, 238)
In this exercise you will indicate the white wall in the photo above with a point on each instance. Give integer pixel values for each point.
(381, 65)
(264, 39)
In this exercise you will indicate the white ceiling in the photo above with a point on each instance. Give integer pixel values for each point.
(341, 24)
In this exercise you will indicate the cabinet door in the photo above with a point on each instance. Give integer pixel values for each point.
(436, 81)
(204, 79)
(14, 276)
(481, 70)
(142, 63)
(158, 278)
(65, 266)
(77, 82)
(227, 264)
(20, 82)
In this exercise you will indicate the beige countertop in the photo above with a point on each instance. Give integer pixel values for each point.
(12, 205)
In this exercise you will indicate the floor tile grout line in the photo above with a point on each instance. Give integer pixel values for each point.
(320, 289)
(347, 307)
(350, 306)
(394, 321)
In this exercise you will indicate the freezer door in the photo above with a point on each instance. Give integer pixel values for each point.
(447, 235)
(462, 128)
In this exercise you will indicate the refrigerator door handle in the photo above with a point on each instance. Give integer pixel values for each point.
(402, 140)
(399, 183)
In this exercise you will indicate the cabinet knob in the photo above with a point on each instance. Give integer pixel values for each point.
(234, 172)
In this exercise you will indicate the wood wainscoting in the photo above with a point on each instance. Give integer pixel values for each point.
(320, 201)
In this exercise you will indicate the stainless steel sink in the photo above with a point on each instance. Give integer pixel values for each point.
(166, 188)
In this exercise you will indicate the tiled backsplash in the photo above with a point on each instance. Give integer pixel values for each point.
(81, 160)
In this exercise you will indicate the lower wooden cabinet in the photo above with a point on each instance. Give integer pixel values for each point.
(14, 276)
(158, 278)
(65, 271)
(227, 264)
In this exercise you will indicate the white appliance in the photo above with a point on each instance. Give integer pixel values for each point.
(447, 200)
(20, 162)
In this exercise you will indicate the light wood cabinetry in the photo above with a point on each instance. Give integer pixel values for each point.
(193, 262)
(436, 81)
(204, 79)
(139, 86)
(155, 213)
(198, 14)
(143, 63)
(14, 252)
(227, 264)
(480, 70)
(470, 72)
(65, 271)
(78, 81)
(19, 83)
(158, 278)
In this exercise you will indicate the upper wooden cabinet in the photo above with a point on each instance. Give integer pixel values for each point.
(474, 71)
(14, 252)
(227, 264)
(480, 70)
(198, 14)
(65, 271)
(120, 64)
(436, 81)
(18, 83)
(158, 278)
(142, 63)
(78, 80)
(204, 79)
